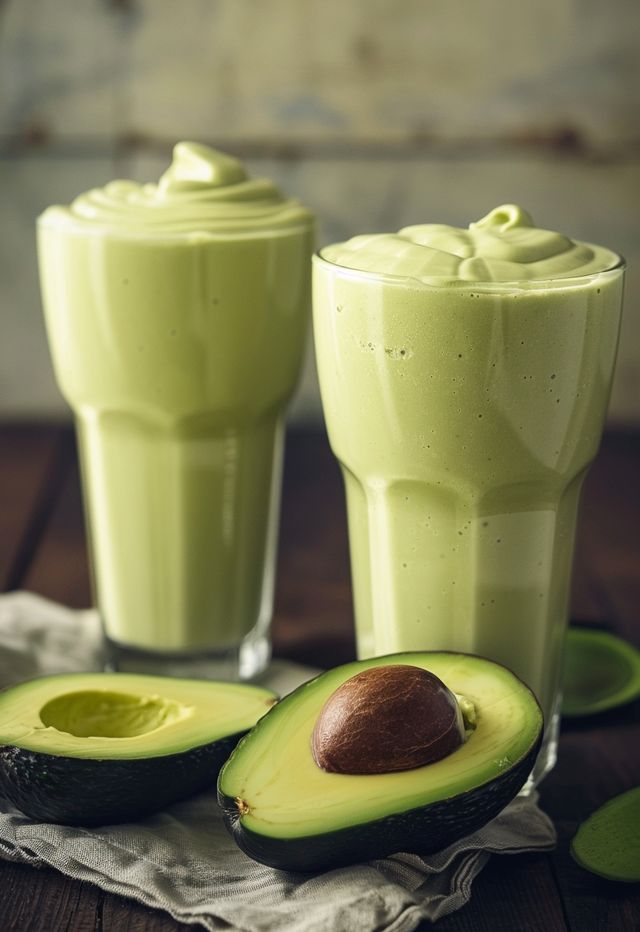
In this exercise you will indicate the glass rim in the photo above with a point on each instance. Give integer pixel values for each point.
(436, 283)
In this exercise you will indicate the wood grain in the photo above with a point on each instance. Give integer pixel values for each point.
(313, 619)
(59, 568)
(511, 893)
(41, 900)
(31, 470)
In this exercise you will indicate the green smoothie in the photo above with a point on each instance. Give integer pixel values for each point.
(176, 315)
(465, 376)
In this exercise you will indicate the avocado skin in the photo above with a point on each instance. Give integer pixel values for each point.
(84, 791)
(422, 830)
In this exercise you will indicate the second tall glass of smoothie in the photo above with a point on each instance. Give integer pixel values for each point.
(176, 315)
(465, 376)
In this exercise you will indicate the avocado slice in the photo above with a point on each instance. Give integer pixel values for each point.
(601, 672)
(284, 810)
(97, 748)
(608, 843)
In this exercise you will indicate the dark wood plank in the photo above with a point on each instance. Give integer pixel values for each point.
(31, 463)
(313, 617)
(511, 893)
(588, 601)
(122, 915)
(60, 568)
(44, 901)
(609, 540)
(623, 596)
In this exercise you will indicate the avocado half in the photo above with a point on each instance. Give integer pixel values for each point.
(97, 748)
(283, 810)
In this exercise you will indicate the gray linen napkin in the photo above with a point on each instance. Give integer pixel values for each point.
(183, 861)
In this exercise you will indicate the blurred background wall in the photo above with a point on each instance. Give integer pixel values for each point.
(376, 113)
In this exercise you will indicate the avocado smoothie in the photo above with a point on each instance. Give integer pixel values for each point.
(465, 376)
(176, 314)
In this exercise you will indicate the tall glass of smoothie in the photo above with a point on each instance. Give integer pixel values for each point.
(465, 376)
(176, 314)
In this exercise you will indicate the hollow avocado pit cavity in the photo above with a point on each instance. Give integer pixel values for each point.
(104, 714)
(387, 719)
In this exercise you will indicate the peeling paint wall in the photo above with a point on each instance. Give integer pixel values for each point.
(377, 114)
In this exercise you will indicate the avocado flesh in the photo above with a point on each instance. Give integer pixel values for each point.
(95, 748)
(607, 844)
(601, 672)
(274, 795)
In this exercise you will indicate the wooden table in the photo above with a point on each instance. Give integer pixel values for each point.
(42, 548)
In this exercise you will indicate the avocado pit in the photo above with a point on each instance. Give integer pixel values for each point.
(386, 719)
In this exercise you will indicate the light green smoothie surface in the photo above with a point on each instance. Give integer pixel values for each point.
(202, 191)
(503, 246)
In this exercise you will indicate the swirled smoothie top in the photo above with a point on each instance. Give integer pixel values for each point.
(202, 191)
(504, 246)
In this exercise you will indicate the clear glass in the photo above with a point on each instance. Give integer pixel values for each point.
(464, 417)
(178, 356)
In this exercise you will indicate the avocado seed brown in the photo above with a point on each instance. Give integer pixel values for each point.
(385, 719)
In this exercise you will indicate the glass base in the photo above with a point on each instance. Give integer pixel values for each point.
(244, 662)
(548, 755)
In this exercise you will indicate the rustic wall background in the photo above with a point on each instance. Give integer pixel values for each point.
(376, 113)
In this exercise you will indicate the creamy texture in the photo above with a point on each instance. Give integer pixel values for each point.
(464, 416)
(203, 191)
(504, 246)
(176, 316)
